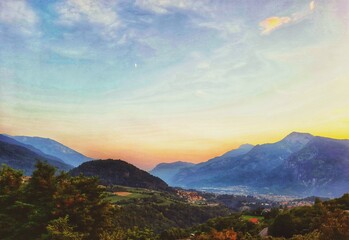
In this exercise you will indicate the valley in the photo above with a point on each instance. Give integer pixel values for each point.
(138, 205)
(174, 120)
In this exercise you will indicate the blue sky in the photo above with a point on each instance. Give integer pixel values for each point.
(161, 80)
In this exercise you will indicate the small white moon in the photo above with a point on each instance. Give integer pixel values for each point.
(136, 65)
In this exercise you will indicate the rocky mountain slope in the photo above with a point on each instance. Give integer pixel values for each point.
(320, 168)
(243, 168)
(299, 164)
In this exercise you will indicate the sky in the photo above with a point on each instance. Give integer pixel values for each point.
(152, 81)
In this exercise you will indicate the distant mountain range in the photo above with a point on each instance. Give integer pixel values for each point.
(299, 164)
(118, 172)
(24, 157)
(53, 148)
(166, 171)
(21, 152)
(170, 172)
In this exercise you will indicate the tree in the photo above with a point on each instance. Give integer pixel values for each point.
(10, 180)
(335, 226)
(14, 212)
(140, 234)
(59, 229)
(112, 235)
(283, 226)
(42, 184)
(39, 193)
(173, 234)
(51, 206)
(82, 199)
(228, 234)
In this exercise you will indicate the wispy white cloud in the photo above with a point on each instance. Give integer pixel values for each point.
(224, 27)
(204, 15)
(81, 52)
(164, 6)
(270, 24)
(20, 15)
(101, 13)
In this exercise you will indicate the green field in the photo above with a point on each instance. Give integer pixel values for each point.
(248, 217)
(140, 195)
(134, 195)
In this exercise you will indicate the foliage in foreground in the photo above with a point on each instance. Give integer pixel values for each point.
(324, 221)
(50, 206)
(329, 219)
(57, 206)
(60, 207)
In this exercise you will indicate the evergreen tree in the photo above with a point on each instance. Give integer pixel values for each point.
(59, 229)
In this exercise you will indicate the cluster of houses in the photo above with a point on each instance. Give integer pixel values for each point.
(191, 197)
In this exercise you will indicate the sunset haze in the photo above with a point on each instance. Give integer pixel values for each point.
(152, 81)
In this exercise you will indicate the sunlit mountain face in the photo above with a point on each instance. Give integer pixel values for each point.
(165, 80)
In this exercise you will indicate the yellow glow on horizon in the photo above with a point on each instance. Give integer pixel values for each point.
(147, 156)
(321, 109)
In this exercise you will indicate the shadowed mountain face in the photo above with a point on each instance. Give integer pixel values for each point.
(166, 171)
(54, 149)
(226, 157)
(173, 172)
(244, 168)
(9, 140)
(118, 172)
(299, 164)
(320, 168)
(19, 157)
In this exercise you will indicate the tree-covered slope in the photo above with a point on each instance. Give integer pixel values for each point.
(118, 172)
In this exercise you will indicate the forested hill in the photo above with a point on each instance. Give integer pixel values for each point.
(118, 172)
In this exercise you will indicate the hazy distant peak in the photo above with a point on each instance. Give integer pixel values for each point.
(322, 140)
(166, 171)
(298, 137)
(246, 145)
(299, 134)
(36, 138)
(244, 148)
(53, 148)
(173, 165)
